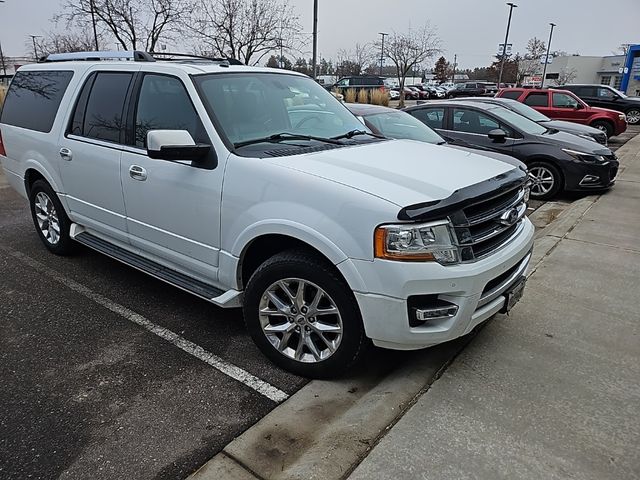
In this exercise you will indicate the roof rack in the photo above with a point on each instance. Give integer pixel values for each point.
(176, 57)
(131, 55)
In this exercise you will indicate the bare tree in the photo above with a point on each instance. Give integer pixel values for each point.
(566, 76)
(246, 30)
(135, 24)
(409, 50)
(354, 62)
(529, 64)
(69, 41)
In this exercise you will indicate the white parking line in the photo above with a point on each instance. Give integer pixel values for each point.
(237, 373)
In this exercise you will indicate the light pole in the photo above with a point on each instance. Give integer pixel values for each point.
(93, 22)
(382, 51)
(506, 39)
(455, 61)
(35, 48)
(2, 63)
(546, 58)
(315, 39)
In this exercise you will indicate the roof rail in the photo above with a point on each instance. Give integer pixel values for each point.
(169, 56)
(132, 55)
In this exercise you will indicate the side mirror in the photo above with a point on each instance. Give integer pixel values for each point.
(174, 145)
(579, 106)
(497, 135)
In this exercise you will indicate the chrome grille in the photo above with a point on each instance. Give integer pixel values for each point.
(484, 227)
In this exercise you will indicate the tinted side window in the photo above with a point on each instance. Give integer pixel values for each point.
(104, 118)
(164, 104)
(585, 91)
(511, 94)
(34, 98)
(537, 99)
(433, 117)
(605, 93)
(473, 121)
(562, 100)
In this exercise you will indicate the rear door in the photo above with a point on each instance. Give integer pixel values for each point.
(589, 94)
(540, 101)
(91, 150)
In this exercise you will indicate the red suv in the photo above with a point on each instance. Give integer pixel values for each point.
(564, 105)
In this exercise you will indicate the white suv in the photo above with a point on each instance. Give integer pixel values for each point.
(255, 187)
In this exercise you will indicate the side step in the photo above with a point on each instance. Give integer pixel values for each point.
(180, 280)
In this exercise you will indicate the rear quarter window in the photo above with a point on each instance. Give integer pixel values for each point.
(33, 99)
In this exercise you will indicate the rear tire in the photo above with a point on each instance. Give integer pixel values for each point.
(547, 180)
(605, 126)
(303, 316)
(633, 116)
(50, 219)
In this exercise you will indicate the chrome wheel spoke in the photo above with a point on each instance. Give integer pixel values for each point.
(303, 336)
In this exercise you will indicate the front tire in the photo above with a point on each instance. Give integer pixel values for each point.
(604, 126)
(547, 180)
(303, 316)
(50, 219)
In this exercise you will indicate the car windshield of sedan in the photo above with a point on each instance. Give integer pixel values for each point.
(251, 106)
(401, 125)
(518, 121)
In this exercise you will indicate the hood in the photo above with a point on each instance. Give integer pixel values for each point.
(491, 154)
(606, 110)
(569, 140)
(403, 172)
(572, 127)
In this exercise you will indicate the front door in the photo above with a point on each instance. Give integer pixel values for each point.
(91, 151)
(473, 127)
(173, 208)
(569, 108)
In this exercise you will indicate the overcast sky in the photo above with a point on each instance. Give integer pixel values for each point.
(470, 28)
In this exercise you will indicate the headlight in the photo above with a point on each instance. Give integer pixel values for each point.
(585, 157)
(426, 242)
(622, 116)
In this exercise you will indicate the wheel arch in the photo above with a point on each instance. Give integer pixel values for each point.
(552, 161)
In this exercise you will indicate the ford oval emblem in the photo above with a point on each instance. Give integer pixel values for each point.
(509, 217)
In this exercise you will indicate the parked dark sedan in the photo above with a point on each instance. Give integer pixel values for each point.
(583, 131)
(397, 124)
(556, 160)
(604, 96)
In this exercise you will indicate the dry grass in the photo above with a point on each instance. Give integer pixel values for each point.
(3, 92)
(363, 96)
(378, 97)
(350, 95)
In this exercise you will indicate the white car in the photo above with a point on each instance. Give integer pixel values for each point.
(255, 187)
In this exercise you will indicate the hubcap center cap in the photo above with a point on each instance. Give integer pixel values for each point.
(301, 320)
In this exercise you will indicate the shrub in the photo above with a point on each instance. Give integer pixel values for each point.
(3, 93)
(380, 97)
(350, 96)
(363, 96)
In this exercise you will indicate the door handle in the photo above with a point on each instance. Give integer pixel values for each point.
(66, 154)
(137, 173)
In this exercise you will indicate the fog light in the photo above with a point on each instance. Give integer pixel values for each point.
(590, 179)
(438, 313)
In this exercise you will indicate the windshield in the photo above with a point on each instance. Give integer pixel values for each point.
(249, 106)
(526, 111)
(518, 121)
(622, 94)
(401, 125)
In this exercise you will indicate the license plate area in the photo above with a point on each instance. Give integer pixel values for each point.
(514, 294)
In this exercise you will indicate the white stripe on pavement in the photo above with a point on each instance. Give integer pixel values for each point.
(237, 373)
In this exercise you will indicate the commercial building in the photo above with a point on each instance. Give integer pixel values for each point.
(619, 71)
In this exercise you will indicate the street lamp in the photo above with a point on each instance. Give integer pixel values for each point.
(382, 51)
(506, 39)
(315, 38)
(2, 62)
(546, 59)
(35, 48)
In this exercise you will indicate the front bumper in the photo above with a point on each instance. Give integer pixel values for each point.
(476, 288)
(581, 176)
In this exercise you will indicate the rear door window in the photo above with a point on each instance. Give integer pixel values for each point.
(34, 98)
(104, 116)
(433, 117)
(537, 99)
(514, 95)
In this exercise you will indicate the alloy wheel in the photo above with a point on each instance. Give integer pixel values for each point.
(300, 320)
(542, 180)
(47, 218)
(633, 116)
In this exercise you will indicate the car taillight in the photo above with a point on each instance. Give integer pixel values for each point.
(2, 150)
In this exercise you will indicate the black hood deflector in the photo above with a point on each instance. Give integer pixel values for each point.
(485, 190)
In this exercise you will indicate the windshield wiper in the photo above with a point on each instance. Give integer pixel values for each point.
(281, 137)
(353, 133)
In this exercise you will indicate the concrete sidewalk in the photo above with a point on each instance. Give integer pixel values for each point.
(553, 390)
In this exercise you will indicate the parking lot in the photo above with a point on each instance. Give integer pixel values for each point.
(108, 372)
